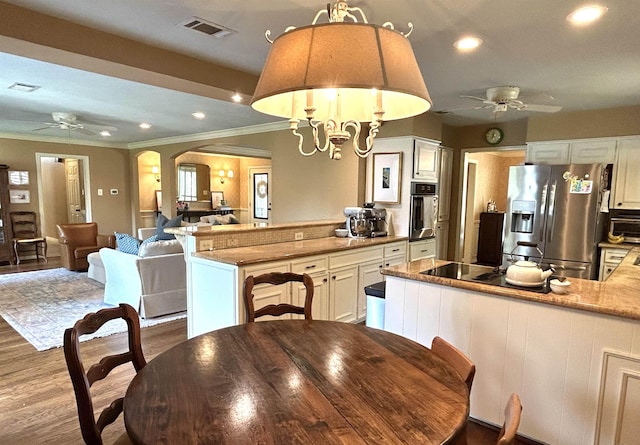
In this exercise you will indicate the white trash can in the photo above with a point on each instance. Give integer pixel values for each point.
(375, 305)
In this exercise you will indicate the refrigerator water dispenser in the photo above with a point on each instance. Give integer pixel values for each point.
(522, 215)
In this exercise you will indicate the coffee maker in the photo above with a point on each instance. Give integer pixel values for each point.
(366, 221)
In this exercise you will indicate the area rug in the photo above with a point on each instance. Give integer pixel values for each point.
(40, 305)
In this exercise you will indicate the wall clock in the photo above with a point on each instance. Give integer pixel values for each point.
(494, 136)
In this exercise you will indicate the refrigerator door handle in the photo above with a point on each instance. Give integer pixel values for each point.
(562, 267)
(552, 212)
(543, 211)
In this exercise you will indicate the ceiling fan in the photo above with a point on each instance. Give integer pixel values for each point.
(69, 121)
(500, 99)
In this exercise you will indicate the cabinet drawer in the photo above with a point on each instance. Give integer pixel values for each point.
(614, 255)
(355, 257)
(310, 265)
(395, 249)
(421, 249)
(265, 268)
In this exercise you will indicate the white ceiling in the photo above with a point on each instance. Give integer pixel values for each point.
(526, 43)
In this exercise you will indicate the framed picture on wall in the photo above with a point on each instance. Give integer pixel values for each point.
(19, 196)
(387, 173)
(18, 177)
(216, 199)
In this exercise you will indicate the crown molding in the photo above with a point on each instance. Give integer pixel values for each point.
(240, 131)
(61, 140)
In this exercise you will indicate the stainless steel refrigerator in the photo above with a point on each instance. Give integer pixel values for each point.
(557, 209)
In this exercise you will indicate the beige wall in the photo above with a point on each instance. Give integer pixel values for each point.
(492, 177)
(108, 167)
(623, 121)
(147, 183)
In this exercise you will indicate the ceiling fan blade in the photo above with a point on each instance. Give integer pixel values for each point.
(48, 126)
(542, 108)
(463, 109)
(483, 99)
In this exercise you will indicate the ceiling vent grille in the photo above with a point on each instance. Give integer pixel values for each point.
(206, 27)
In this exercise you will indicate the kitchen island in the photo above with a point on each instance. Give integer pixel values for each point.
(574, 359)
(220, 258)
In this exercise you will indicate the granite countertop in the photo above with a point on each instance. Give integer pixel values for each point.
(242, 256)
(208, 229)
(617, 296)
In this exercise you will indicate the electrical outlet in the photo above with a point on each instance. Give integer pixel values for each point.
(232, 242)
(206, 244)
(299, 236)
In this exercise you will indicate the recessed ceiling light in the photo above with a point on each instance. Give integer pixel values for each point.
(105, 133)
(198, 115)
(468, 43)
(24, 87)
(586, 14)
(145, 126)
(236, 98)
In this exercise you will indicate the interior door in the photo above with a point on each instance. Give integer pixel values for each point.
(260, 196)
(74, 191)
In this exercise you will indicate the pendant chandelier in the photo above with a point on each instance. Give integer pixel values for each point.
(338, 74)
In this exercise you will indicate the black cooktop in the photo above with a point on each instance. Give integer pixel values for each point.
(479, 274)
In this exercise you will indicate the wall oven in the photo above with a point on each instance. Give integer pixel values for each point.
(424, 211)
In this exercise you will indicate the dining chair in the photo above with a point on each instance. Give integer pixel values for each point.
(455, 358)
(277, 278)
(25, 234)
(512, 415)
(83, 380)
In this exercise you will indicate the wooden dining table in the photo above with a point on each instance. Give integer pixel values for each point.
(296, 381)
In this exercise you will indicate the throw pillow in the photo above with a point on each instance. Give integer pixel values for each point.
(163, 222)
(156, 248)
(126, 243)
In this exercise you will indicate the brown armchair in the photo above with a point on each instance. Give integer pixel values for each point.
(79, 240)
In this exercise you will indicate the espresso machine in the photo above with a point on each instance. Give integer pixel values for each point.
(366, 221)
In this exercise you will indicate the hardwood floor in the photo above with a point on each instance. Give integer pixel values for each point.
(37, 403)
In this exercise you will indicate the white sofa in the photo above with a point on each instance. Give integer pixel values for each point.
(154, 285)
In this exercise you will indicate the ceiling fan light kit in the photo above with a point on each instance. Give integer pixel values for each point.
(338, 74)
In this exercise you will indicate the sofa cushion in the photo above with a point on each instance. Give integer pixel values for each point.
(209, 219)
(163, 222)
(161, 247)
(220, 219)
(127, 243)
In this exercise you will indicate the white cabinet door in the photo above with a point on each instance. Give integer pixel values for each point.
(593, 152)
(626, 192)
(369, 273)
(444, 184)
(619, 405)
(320, 305)
(548, 152)
(343, 294)
(442, 239)
(425, 161)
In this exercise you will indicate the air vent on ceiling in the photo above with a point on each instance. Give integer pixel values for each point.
(24, 87)
(206, 27)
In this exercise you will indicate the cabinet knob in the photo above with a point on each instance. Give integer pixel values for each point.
(324, 280)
